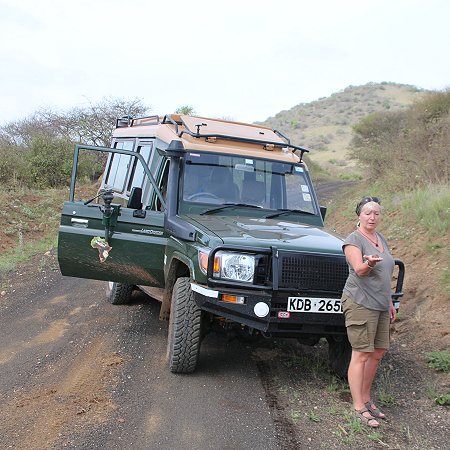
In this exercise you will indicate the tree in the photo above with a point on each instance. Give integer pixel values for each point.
(90, 125)
(43, 142)
(186, 110)
(95, 123)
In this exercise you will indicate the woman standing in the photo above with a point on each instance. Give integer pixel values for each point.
(367, 306)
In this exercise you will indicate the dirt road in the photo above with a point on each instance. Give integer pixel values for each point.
(78, 372)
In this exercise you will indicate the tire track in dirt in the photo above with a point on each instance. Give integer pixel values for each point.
(284, 428)
(80, 397)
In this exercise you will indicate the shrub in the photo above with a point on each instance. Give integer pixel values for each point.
(443, 399)
(50, 161)
(439, 360)
(407, 148)
(13, 166)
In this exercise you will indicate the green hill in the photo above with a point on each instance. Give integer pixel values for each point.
(325, 125)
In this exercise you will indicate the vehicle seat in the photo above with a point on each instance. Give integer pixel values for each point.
(195, 180)
(222, 185)
(253, 192)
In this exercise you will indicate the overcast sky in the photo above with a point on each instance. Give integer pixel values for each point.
(242, 59)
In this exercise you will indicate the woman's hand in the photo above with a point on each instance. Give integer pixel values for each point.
(393, 313)
(372, 259)
(359, 262)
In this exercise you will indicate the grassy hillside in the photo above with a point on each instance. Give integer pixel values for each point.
(325, 125)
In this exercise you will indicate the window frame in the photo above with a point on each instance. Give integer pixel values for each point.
(111, 162)
(132, 171)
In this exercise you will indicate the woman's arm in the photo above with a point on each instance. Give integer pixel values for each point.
(361, 264)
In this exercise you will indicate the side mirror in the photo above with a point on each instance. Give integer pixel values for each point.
(135, 200)
(323, 212)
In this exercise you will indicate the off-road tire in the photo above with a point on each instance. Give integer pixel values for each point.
(339, 354)
(119, 293)
(185, 329)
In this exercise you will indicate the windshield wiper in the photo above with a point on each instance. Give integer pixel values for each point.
(282, 212)
(228, 205)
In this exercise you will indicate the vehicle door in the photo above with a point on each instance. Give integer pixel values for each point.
(127, 244)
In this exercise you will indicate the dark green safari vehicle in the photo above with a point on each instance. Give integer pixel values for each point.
(218, 221)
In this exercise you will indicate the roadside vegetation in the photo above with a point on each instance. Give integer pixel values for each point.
(36, 152)
(325, 125)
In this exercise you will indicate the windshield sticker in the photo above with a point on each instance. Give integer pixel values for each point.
(305, 188)
(248, 161)
(307, 197)
(298, 169)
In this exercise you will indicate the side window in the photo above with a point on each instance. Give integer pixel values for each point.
(162, 184)
(118, 166)
(137, 171)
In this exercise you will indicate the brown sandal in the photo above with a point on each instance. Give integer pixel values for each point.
(369, 421)
(375, 412)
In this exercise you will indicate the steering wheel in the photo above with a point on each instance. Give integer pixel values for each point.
(202, 194)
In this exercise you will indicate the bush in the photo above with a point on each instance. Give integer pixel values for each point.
(409, 148)
(50, 161)
(13, 165)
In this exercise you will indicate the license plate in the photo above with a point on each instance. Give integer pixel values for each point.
(315, 305)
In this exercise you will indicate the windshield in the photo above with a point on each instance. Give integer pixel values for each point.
(222, 179)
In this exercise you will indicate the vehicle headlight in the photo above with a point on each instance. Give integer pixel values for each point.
(235, 266)
(230, 265)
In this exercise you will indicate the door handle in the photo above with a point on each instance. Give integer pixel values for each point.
(81, 221)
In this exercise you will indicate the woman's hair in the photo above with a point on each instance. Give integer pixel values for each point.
(364, 201)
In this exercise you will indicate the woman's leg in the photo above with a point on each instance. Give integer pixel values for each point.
(356, 373)
(369, 375)
(370, 369)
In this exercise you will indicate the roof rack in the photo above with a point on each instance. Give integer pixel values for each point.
(282, 136)
(128, 121)
(198, 134)
(169, 119)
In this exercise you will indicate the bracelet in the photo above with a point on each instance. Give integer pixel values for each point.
(367, 262)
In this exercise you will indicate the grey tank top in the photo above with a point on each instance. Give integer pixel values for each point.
(372, 291)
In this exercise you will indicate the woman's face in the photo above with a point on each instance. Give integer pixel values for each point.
(370, 216)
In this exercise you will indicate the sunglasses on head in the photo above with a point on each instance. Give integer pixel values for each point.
(370, 199)
(365, 200)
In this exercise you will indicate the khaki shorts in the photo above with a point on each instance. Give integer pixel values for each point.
(367, 329)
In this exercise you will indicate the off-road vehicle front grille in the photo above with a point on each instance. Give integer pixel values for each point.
(312, 273)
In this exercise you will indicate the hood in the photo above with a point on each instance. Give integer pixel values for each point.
(266, 233)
